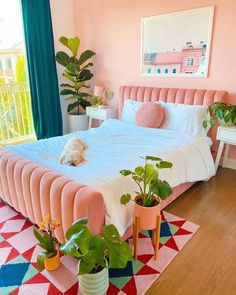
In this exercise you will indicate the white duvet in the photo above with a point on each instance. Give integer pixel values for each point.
(117, 145)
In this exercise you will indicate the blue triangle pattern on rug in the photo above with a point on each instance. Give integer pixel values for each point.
(19, 273)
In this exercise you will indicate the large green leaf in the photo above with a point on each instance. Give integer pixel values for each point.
(139, 171)
(63, 58)
(86, 55)
(73, 44)
(40, 260)
(84, 75)
(67, 92)
(85, 268)
(164, 189)
(76, 227)
(71, 106)
(85, 103)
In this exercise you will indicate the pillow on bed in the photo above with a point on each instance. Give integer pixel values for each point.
(185, 118)
(130, 109)
(150, 115)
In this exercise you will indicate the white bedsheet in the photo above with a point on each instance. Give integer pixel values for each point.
(117, 145)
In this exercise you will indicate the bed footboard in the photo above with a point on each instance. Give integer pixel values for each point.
(36, 191)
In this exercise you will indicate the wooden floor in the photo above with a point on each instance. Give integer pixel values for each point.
(207, 264)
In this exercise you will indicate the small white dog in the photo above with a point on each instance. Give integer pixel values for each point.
(73, 153)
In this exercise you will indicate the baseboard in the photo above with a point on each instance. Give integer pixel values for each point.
(230, 163)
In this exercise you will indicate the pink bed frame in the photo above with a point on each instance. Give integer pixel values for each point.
(36, 191)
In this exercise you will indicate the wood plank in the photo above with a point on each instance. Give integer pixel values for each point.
(207, 264)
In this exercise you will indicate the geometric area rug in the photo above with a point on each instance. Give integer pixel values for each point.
(19, 274)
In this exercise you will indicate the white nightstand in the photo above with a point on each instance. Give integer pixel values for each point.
(100, 114)
(226, 135)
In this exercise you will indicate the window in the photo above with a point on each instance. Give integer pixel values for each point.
(158, 71)
(174, 71)
(8, 63)
(149, 71)
(166, 71)
(190, 61)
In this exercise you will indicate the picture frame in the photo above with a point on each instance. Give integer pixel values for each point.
(177, 44)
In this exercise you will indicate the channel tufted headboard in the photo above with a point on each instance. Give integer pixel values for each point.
(175, 95)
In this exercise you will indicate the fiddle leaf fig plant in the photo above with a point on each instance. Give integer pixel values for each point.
(77, 72)
(95, 252)
(151, 188)
(226, 113)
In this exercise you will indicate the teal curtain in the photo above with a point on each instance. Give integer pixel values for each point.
(42, 68)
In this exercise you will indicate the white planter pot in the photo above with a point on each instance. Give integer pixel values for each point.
(78, 122)
(94, 284)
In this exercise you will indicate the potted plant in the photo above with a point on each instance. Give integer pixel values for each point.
(77, 72)
(50, 259)
(95, 254)
(151, 191)
(225, 113)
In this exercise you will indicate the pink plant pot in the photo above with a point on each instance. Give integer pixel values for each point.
(147, 216)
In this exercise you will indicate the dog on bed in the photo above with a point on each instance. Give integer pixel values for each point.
(73, 153)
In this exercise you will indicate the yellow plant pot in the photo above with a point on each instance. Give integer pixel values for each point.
(52, 263)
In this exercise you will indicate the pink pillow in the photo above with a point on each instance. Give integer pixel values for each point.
(150, 115)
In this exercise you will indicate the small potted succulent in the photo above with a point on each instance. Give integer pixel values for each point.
(151, 191)
(77, 72)
(50, 259)
(95, 254)
(225, 113)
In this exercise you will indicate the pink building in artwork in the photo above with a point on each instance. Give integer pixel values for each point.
(191, 60)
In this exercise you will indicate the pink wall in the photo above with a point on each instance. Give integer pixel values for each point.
(112, 29)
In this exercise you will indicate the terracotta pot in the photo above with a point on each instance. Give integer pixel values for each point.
(94, 284)
(147, 215)
(52, 263)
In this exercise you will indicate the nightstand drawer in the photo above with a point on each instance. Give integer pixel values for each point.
(227, 134)
(99, 114)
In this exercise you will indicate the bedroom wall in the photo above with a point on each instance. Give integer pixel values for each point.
(63, 25)
(112, 30)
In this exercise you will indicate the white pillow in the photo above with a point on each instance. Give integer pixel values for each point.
(130, 109)
(185, 119)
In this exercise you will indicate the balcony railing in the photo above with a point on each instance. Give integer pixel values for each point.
(16, 122)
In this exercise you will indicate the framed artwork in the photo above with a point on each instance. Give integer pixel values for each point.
(177, 44)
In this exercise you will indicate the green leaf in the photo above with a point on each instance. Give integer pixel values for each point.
(164, 189)
(139, 171)
(110, 232)
(165, 164)
(67, 85)
(40, 260)
(38, 236)
(85, 268)
(85, 103)
(85, 75)
(62, 58)
(204, 124)
(67, 91)
(76, 227)
(151, 158)
(64, 41)
(149, 170)
(73, 44)
(71, 106)
(85, 56)
(125, 172)
(124, 199)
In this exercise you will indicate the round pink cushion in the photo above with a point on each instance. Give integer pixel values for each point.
(150, 115)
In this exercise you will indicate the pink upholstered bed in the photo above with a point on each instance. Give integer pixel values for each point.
(36, 191)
